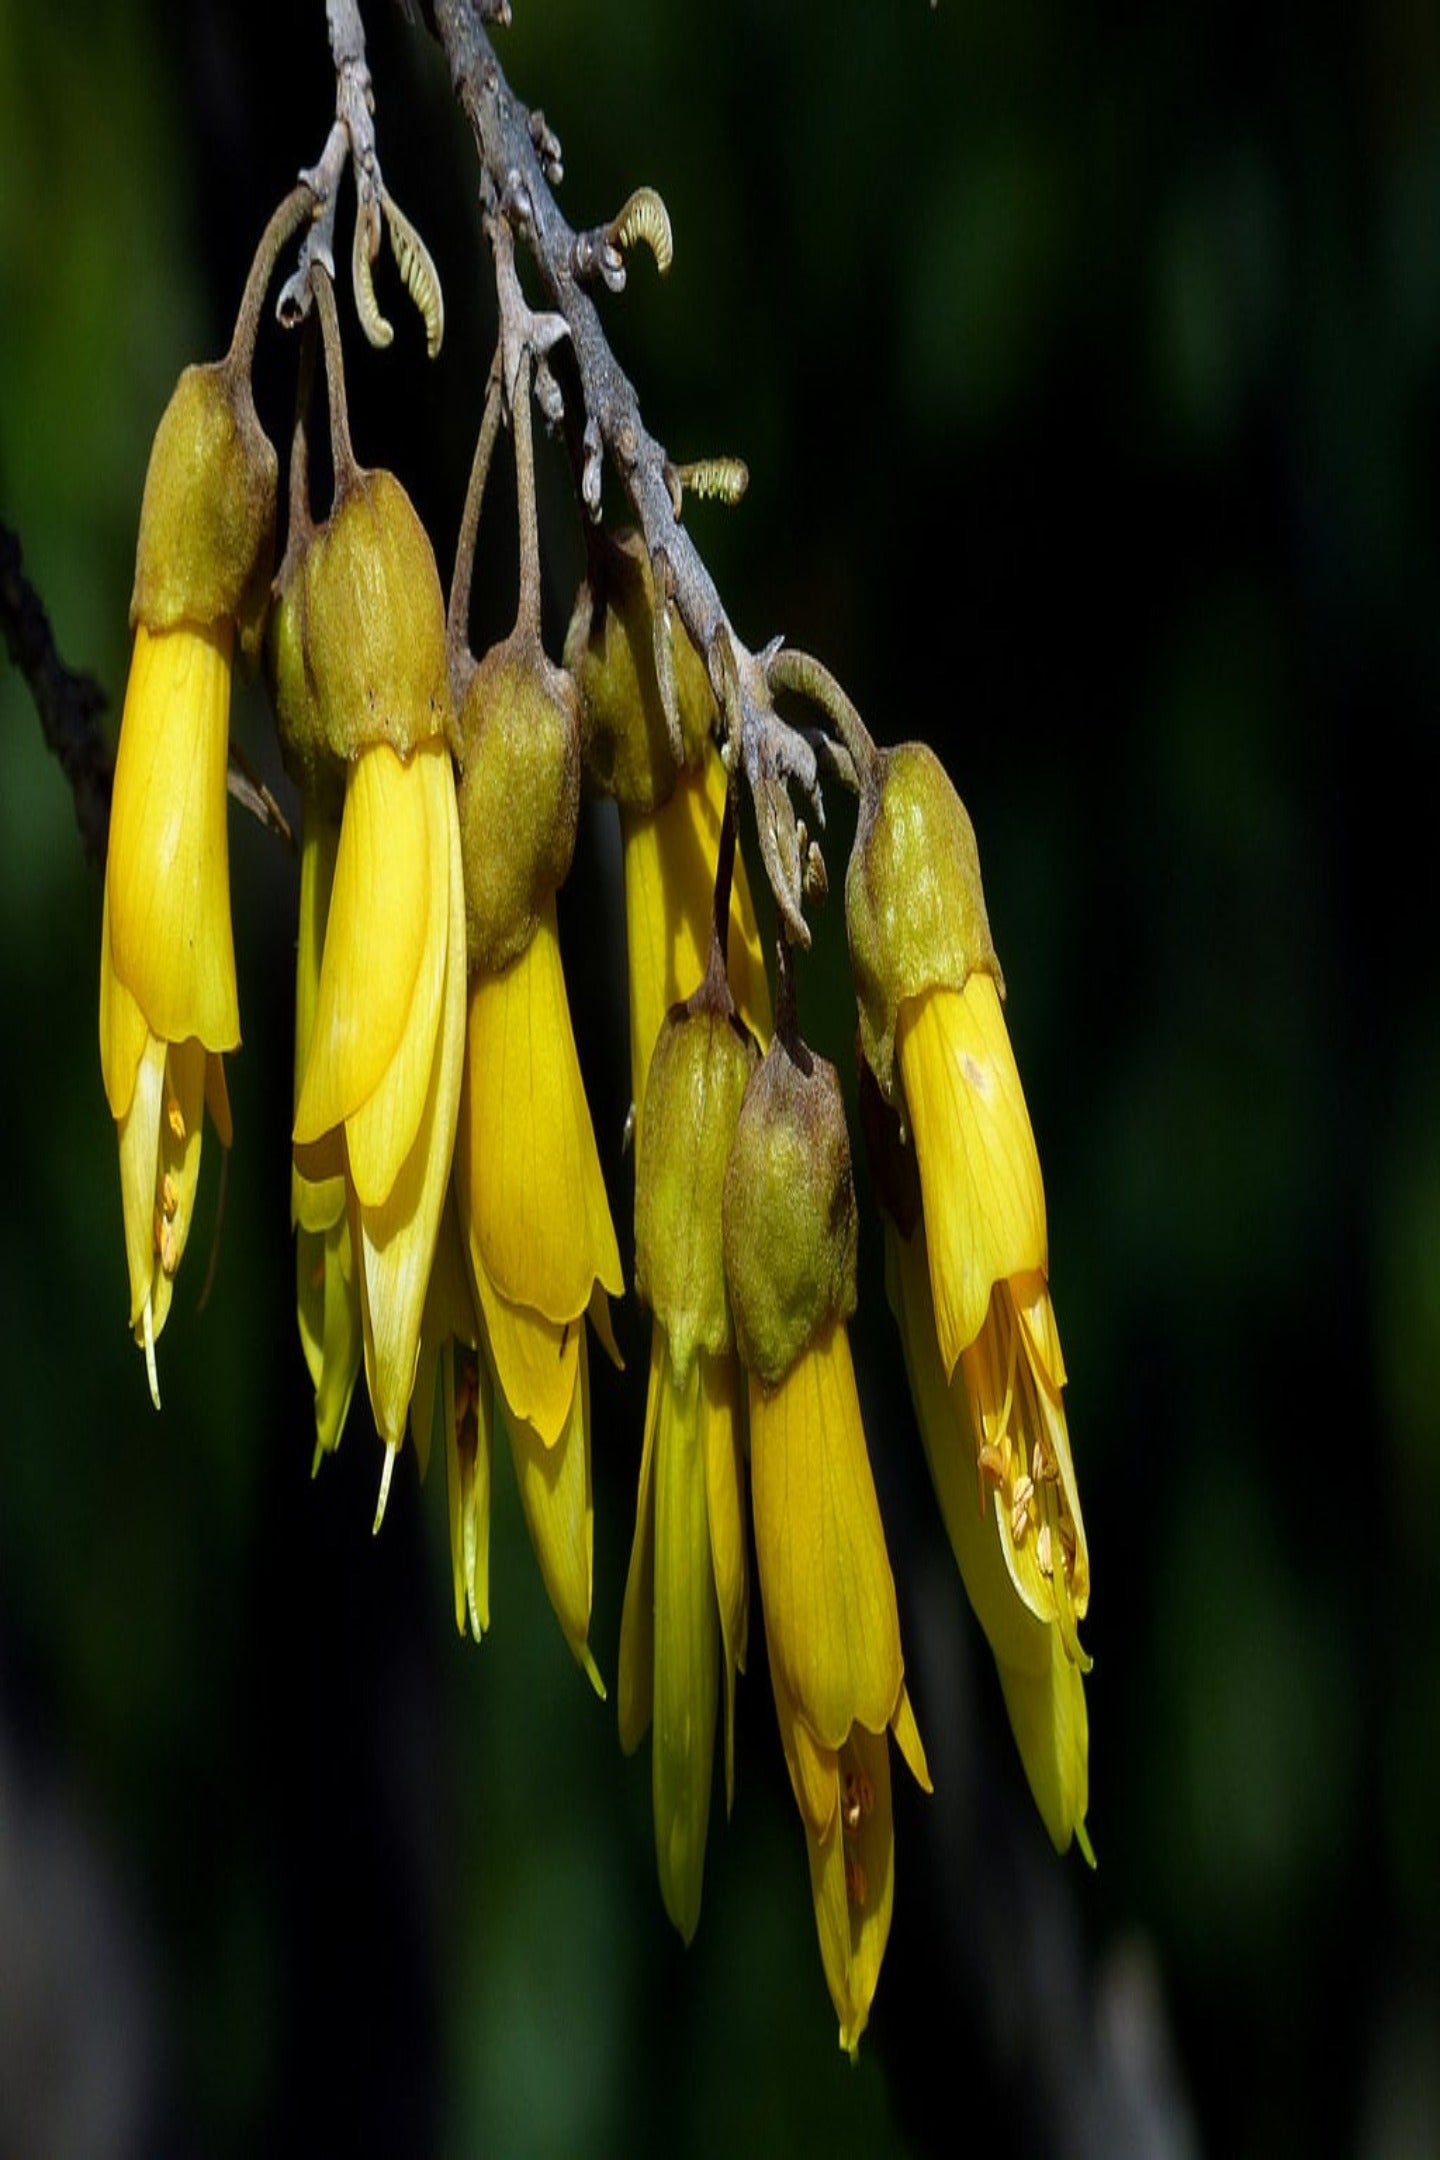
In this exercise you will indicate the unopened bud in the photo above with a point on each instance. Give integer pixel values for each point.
(789, 1210)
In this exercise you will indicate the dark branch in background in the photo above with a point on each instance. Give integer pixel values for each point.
(69, 705)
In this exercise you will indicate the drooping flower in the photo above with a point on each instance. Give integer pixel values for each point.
(832, 1626)
(982, 1348)
(378, 1101)
(168, 1002)
(686, 1595)
(533, 1215)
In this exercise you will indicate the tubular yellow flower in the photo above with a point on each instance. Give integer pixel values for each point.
(1040, 1671)
(381, 1088)
(967, 1255)
(832, 1631)
(541, 1247)
(686, 1595)
(832, 1626)
(168, 1004)
(983, 1211)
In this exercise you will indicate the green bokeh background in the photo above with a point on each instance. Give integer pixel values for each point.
(1086, 364)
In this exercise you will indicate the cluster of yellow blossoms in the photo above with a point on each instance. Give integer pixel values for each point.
(452, 1226)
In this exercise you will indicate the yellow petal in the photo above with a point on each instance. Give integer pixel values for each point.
(397, 1240)
(635, 1687)
(377, 933)
(1018, 1418)
(167, 874)
(687, 1643)
(669, 859)
(469, 1420)
(314, 1203)
(979, 1172)
(331, 1329)
(139, 1155)
(555, 1494)
(852, 1882)
(532, 1197)
(534, 1359)
(812, 1767)
(1043, 1689)
(380, 1134)
(123, 1033)
(721, 1402)
(825, 1582)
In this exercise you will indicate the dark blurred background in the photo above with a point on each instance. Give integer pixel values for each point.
(1086, 364)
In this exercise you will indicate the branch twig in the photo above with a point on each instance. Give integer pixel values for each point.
(69, 705)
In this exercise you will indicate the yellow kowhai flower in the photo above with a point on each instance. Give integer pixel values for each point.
(168, 1002)
(533, 1217)
(380, 1095)
(686, 1595)
(1040, 1670)
(541, 1247)
(832, 1632)
(832, 1627)
(933, 1036)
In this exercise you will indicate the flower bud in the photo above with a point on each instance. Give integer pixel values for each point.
(519, 795)
(698, 1076)
(610, 650)
(373, 623)
(207, 520)
(914, 908)
(789, 1211)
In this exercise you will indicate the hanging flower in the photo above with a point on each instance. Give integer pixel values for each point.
(168, 1002)
(378, 1101)
(832, 1626)
(531, 1204)
(982, 1346)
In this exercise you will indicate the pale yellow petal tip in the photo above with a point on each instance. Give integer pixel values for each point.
(1082, 1839)
(907, 1739)
(387, 1471)
(585, 1660)
(150, 1372)
(850, 2035)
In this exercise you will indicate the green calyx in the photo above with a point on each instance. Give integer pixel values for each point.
(207, 519)
(372, 624)
(314, 767)
(701, 1065)
(914, 907)
(789, 1217)
(518, 793)
(610, 651)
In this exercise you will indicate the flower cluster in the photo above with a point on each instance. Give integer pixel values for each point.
(452, 1226)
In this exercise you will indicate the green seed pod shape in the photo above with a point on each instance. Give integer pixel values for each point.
(519, 795)
(610, 650)
(914, 907)
(698, 1075)
(789, 1211)
(207, 518)
(374, 623)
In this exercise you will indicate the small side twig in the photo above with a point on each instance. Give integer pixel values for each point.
(69, 704)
